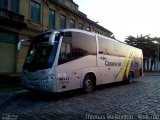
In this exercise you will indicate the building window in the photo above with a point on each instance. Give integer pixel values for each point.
(72, 23)
(4, 4)
(63, 21)
(12, 5)
(15, 6)
(35, 12)
(62, 1)
(51, 19)
(80, 26)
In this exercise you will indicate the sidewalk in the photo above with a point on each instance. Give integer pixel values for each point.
(9, 87)
(9, 80)
(151, 73)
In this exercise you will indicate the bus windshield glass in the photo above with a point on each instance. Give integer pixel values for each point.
(41, 55)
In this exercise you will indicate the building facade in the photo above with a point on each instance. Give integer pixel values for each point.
(23, 19)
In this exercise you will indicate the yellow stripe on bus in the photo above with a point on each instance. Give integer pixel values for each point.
(123, 68)
(126, 63)
(129, 64)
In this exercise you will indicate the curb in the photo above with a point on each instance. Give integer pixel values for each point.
(152, 74)
(6, 80)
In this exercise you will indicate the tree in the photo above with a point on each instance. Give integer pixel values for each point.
(147, 45)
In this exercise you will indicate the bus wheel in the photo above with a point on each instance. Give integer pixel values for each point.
(88, 84)
(130, 77)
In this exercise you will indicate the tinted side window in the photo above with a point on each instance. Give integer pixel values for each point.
(65, 51)
(106, 46)
(82, 45)
(120, 49)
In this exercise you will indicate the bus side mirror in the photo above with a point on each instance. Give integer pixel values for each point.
(19, 44)
(22, 41)
(52, 38)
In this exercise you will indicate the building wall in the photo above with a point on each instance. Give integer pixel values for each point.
(30, 28)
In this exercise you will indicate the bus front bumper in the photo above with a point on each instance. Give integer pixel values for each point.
(42, 85)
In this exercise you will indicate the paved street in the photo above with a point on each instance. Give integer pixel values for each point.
(140, 100)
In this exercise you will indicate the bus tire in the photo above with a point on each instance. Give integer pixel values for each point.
(130, 77)
(88, 84)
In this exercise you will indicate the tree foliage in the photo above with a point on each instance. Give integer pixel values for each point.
(147, 44)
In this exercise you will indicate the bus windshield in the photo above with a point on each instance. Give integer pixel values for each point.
(41, 55)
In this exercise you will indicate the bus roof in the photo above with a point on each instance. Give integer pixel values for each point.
(86, 32)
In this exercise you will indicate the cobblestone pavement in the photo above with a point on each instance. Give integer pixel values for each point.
(140, 100)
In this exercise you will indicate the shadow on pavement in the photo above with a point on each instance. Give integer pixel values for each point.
(42, 96)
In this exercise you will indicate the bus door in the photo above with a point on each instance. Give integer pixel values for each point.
(64, 71)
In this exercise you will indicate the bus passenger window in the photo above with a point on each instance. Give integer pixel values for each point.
(83, 45)
(106, 46)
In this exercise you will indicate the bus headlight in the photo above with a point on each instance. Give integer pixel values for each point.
(46, 79)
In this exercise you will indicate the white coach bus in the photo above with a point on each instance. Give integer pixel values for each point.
(70, 59)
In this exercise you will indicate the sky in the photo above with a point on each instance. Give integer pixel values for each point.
(124, 17)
